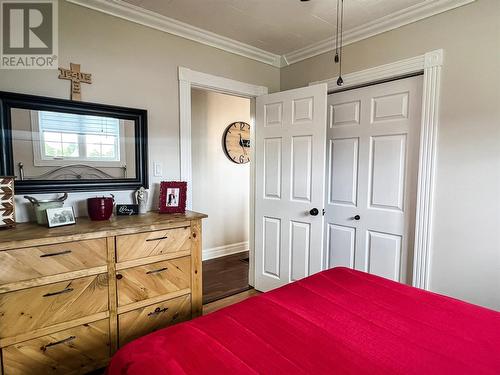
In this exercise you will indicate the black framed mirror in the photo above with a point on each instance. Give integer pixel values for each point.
(58, 145)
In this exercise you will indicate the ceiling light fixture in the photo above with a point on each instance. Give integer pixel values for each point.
(339, 39)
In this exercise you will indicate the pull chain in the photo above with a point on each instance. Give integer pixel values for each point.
(340, 81)
(337, 34)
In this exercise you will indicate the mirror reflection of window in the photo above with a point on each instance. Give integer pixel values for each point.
(68, 136)
(50, 145)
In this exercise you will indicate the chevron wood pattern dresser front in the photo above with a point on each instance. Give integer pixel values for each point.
(71, 296)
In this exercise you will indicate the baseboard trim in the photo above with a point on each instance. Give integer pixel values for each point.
(220, 251)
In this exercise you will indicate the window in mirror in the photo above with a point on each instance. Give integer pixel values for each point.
(73, 137)
(68, 146)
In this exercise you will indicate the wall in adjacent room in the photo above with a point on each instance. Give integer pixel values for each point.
(220, 187)
(132, 66)
(465, 259)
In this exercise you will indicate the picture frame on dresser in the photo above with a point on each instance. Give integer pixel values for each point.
(173, 196)
(60, 216)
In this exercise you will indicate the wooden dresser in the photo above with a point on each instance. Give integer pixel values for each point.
(70, 296)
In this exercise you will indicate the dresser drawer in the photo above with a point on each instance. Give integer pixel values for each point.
(26, 310)
(33, 262)
(152, 280)
(137, 323)
(72, 351)
(135, 246)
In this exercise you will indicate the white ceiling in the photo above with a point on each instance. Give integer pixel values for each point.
(277, 26)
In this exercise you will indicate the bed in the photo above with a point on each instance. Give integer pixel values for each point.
(338, 321)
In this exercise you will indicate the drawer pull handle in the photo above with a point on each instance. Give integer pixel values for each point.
(67, 290)
(68, 339)
(157, 238)
(55, 254)
(157, 271)
(158, 311)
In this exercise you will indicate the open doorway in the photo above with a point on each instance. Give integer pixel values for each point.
(220, 139)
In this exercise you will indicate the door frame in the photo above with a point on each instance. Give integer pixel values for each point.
(430, 65)
(189, 79)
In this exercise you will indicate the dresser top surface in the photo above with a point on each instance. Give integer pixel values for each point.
(31, 234)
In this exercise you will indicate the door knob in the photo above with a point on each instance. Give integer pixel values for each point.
(314, 212)
(357, 217)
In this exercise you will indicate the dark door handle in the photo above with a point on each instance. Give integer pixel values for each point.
(357, 217)
(314, 212)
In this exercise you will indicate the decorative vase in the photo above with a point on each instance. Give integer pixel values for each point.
(100, 208)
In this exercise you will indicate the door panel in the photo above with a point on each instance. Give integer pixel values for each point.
(290, 164)
(343, 241)
(385, 254)
(272, 168)
(303, 110)
(372, 167)
(300, 244)
(343, 114)
(390, 107)
(272, 246)
(301, 168)
(343, 168)
(273, 113)
(387, 171)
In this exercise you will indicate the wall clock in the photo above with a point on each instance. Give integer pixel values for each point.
(236, 142)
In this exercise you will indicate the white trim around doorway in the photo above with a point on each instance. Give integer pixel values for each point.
(430, 65)
(189, 79)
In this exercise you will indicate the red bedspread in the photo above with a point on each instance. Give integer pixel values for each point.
(336, 322)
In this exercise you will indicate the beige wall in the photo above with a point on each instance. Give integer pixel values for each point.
(220, 187)
(132, 66)
(466, 241)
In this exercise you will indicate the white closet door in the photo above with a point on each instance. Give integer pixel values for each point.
(290, 164)
(372, 143)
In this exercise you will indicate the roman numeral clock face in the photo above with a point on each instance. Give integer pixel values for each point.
(236, 142)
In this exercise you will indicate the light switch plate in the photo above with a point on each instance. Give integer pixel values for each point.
(157, 169)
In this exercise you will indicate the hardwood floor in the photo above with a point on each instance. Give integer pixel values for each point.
(221, 303)
(225, 276)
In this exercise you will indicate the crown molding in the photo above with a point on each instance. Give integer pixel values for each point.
(122, 9)
(156, 21)
(390, 22)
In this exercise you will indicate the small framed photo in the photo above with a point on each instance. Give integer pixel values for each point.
(173, 197)
(57, 217)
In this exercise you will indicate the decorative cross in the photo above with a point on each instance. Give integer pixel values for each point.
(76, 77)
